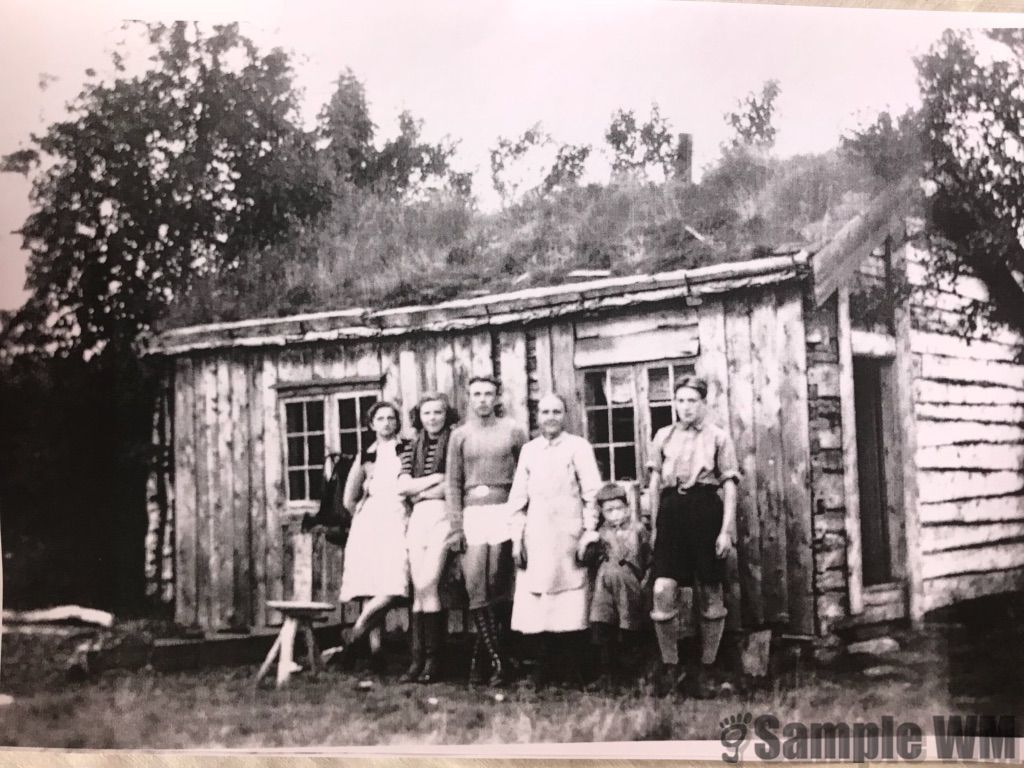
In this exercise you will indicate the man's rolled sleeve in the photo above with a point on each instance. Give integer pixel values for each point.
(727, 467)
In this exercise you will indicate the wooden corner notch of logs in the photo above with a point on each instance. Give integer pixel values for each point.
(298, 617)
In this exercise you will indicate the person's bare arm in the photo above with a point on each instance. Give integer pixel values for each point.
(437, 490)
(413, 486)
(727, 535)
(728, 469)
(354, 486)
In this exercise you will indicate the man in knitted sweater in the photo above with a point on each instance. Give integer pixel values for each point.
(482, 456)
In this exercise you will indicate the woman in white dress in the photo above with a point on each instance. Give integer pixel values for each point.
(552, 496)
(375, 566)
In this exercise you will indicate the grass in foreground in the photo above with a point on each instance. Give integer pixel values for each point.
(222, 708)
(970, 666)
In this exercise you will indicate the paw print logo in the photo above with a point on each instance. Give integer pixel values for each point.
(735, 733)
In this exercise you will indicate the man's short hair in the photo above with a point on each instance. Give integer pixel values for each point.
(487, 379)
(696, 383)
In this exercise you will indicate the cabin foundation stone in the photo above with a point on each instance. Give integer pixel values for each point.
(825, 440)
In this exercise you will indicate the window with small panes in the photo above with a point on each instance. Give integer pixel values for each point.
(623, 406)
(316, 426)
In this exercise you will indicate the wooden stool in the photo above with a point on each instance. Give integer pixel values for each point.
(298, 617)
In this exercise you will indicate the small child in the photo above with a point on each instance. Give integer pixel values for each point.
(618, 600)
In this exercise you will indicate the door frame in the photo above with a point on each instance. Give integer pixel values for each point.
(891, 600)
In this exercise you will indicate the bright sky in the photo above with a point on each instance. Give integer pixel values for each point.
(479, 69)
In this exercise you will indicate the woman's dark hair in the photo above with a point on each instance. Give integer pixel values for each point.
(451, 416)
(379, 405)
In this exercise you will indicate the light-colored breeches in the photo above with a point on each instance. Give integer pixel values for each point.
(427, 539)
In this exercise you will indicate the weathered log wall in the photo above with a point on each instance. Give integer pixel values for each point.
(969, 406)
(238, 542)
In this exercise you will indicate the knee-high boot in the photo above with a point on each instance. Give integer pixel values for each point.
(434, 625)
(416, 648)
(487, 628)
(477, 661)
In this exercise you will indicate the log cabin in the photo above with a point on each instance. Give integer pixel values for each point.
(882, 449)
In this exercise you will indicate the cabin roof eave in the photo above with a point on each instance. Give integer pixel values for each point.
(493, 310)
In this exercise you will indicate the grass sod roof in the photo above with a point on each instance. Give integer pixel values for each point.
(498, 309)
(828, 266)
(438, 247)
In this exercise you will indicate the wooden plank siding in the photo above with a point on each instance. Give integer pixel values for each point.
(741, 422)
(969, 408)
(713, 365)
(563, 374)
(186, 475)
(796, 489)
(514, 378)
(222, 531)
(273, 483)
(246, 547)
(207, 496)
(257, 493)
(768, 453)
(242, 592)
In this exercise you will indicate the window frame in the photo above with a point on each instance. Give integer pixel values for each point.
(329, 399)
(642, 434)
(287, 467)
(354, 394)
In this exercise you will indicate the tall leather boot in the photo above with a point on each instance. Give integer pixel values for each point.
(510, 654)
(416, 648)
(433, 642)
(487, 627)
(478, 661)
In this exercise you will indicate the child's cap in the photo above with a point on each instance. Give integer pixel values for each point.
(610, 492)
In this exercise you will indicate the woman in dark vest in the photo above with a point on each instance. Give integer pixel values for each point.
(375, 567)
(428, 537)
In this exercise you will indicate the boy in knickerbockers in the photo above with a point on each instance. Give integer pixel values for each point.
(617, 604)
(694, 528)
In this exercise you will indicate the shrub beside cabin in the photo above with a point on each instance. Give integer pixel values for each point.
(882, 454)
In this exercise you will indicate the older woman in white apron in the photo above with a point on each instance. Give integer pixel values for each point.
(552, 495)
